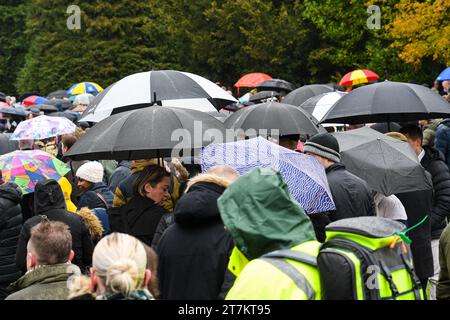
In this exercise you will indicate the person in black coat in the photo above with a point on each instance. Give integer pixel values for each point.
(144, 210)
(10, 225)
(351, 195)
(434, 162)
(95, 192)
(194, 252)
(49, 201)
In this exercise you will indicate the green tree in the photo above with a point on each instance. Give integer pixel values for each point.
(13, 45)
(111, 44)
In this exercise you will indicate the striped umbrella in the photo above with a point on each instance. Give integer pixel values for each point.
(163, 87)
(84, 87)
(26, 168)
(358, 77)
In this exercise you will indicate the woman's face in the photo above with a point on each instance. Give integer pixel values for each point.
(160, 192)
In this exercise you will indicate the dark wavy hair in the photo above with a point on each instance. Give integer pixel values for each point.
(153, 174)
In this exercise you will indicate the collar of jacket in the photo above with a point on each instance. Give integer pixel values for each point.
(335, 167)
(46, 274)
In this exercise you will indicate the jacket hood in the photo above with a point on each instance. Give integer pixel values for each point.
(433, 154)
(46, 274)
(48, 196)
(10, 191)
(199, 204)
(262, 216)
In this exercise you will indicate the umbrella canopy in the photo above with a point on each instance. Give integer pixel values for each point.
(445, 75)
(32, 100)
(287, 119)
(262, 95)
(43, 127)
(319, 105)
(277, 85)
(13, 111)
(147, 133)
(47, 108)
(58, 94)
(387, 165)
(251, 80)
(3, 104)
(2, 97)
(61, 104)
(65, 114)
(166, 88)
(7, 145)
(358, 77)
(300, 95)
(26, 168)
(304, 176)
(388, 102)
(84, 87)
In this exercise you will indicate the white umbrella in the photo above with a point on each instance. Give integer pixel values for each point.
(319, 105)
(165, 87)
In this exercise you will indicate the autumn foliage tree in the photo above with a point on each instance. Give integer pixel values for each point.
(422, 30)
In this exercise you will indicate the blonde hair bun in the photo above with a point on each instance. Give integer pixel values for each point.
(122, 276)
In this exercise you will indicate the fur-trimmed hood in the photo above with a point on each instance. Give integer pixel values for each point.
(198, 206)
(92, 223)
(207, 177)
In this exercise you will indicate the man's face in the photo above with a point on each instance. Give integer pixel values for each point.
(321, 160)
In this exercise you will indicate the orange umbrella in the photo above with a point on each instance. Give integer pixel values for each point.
(358, 77)
(251, 80)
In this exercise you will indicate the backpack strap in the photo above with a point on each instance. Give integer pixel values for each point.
(416, 282)
(103, 200)
(276, 259)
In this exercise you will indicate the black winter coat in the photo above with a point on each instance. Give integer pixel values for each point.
(49, 201)
(351, 194)
(417, 205)
(142, 216)
(434, 163)
(10, 225)
(90, 197)
(194, 251)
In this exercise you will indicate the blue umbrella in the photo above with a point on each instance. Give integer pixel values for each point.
(445, 75)
(304, 176)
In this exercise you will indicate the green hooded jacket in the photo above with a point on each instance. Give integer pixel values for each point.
(261, 215)
(48, 282)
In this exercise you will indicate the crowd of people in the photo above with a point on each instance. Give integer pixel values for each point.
(160, 229)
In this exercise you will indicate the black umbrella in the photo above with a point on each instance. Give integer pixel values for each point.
(6, 145)
(61, 104)
(262, 95)
(47, 108)
(2, 97)
(71, 116)
(58, 94)
(300, 95)
(13, 111)
(275, 85)
(387, 165)
(386, 102)
(148, 133)
(289, 120)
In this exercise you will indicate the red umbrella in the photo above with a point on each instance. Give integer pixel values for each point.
(358, 77)
(251, 80)
(32, 100)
